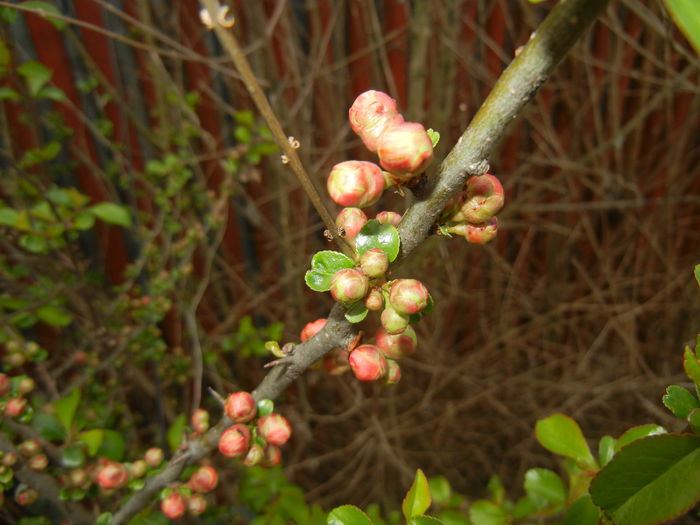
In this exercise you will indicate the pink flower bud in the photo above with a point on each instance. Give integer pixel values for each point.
(349, 285)
(29, 447)
(240, 407)
(254, 456)
(38, 462)
(173, 505)
(371, 114)
(351, 220)
(138, 468)
(4, 384)
(25, 496)
(405, 150)
(200, 420)
(9, 459)
(374, 263)
(154, 456)
(476, 233)
(112, 475)
(273, 456)
(312, 328)
(78, 477)
(367, 363)
(398, 345)
(392, 321)
(389, 217)
(393, 372)
(26, 385)
(275, 429)
(483, 199)
(234, 441)
(15, 407)
(196, 504)
(374, 300)
(335, 362)
(355, 183)
(204, 479)
(408, 296)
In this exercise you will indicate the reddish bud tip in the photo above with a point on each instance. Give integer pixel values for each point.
(240, 407)
(408, 296)
(200, 420)
(374, 263)
(234, 441)
(371, 114)
(335, 362)
(393, 372)
(112, 475)
(392, 321)
(398, 345)
(405, 150)
(367, 363)
(389, 217)
(355, 183)
(351, 220)
(275, 429)
(254, 456)
(349, 285)
(15, 407)
(25, 496)
(196, 504)
(173, 505)
(374, 300)
(272, 457)
(154, 456)
(312, 328)
(204, 479)
(483, 199)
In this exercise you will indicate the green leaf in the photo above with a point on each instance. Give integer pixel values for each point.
(46, 10)
(484, 512)
(83, 221)
(434, 136)
(639, 432)
(440, 490)
(524, 507)
(546, 485)
(582, 512)
(36, 75)
(562, 435)
(691, 365)
(680, 401)
(113, 445)
(7, 93)
(686, 15)
(348, 515)
(65, 409)
(176, 432)
(424, 520)
(697, 273)
(606, 449)
(650, 481)
(51, 93)
(92, 439)
(8, 217)
(694, 420)
(49, 427)
(73, 456)
(453, 517)
(376, 235)
(112, 213)
(265, 407)
(417, 499)
(33, 243)
(357, 312)
(53, 315)
(324, 265)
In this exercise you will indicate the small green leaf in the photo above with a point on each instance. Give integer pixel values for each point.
(73, 456)
(377, 235)
(680, 401)
(265, 407)
(65, 409)
(697, 273)
(606, 449)
(112, 213)
(691, 365)
(638, 432)
(83, 221)
(686, 15)
(113, 445)
(582, 512)
(45, 10)
(34, 243)
(524, 507)
(453, 517)
(36, 75)
(357, 312)
(562, 435)
(694, 420)
(417, 499)
(650, 481)
(546, 485)
(424, 520)
(8, 217)
(92, 439)
(7, 93)
(484, 512)
(434, 136)
(53, 315)
(348, 515)
(440, 490)
(324, 265)
(49, 427)
(176, 432)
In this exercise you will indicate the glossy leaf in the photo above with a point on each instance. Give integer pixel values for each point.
(484, 512)
(73, 456)
(111, 213)
(638, 432)
(562, 435)
(53, 315)
(680, 401)
(113, 445)
(376, 235)
(434, 136)
(582, 512)
(691, 365)
(440, 490)
(546, 485)
(357, 312)
(686, 15)
(36, 75)
(49, 427)
(265, 407)
(650, 481)
(324, 265)
(417, 498)
(176, 432)
(92, 439)
(606, 449)
(348, 515)
(65, 409)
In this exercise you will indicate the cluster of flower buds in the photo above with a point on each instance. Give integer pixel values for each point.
(473, 215)
(254, 438)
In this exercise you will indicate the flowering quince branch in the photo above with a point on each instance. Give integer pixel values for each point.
(516, 86)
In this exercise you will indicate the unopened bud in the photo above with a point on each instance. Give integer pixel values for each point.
(351, 220)
(398, 345)
(240, 407)
(349, 285)
(204, 479)
(374, 263)
(312, 328)
(275, 429)
(408, 296)
(367, 363)
(355, 183)
(392, 321)
(405, 150)
(173, 505)
(389, 217)
(371, 114)
(234, 441)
